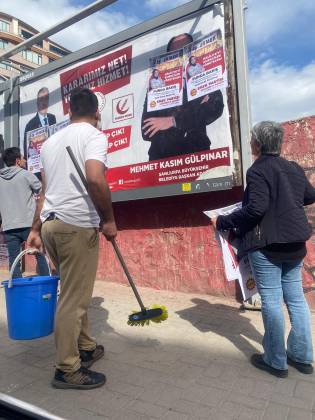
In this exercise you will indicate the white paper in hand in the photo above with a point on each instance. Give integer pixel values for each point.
(234, 269)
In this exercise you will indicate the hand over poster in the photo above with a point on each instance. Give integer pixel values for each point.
(158, 134)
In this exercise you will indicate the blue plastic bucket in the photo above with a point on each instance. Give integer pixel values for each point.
(31, 305)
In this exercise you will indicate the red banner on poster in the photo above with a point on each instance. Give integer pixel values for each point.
(185, 168)
(105, 74)
(118, 138)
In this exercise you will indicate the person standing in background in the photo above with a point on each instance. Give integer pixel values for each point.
(18, 188)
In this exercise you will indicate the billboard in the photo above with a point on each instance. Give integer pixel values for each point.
(163, 103)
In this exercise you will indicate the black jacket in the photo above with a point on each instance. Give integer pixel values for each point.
(273, 203)
(35, 123)
(190, 133)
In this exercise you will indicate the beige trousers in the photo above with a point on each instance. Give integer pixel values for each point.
(74, 252)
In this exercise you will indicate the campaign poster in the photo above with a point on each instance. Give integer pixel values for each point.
(165, 84)
(178, 141)
(205, 65)
(35, 140)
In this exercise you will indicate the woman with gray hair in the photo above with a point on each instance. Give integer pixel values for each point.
(273, 229)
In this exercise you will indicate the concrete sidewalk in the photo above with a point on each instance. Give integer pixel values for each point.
(193, 366)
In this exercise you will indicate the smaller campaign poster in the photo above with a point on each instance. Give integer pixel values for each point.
(35, 141)
(205, 66)
(165, 83)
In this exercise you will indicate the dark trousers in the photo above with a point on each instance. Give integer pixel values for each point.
(14, 239)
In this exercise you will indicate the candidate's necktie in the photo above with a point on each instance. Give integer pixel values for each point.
(45, 121)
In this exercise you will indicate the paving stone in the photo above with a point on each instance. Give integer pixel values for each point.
(276, 412)
(116, 385)
(262, 389)
(247, 401)
(149, 409)
(298, 414)
(192, 409)
(174, 415)
(251, 414)
(305, 390)
(291, 401)
(244, 385)
(129, 415)
(227, 411)
(228, 377)
(161, 394)
(286, 387)
(204, 395)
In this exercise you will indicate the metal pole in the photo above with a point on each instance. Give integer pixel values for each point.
(87, 11)
(243, 86)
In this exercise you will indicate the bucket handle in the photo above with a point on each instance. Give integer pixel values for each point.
(17, 259)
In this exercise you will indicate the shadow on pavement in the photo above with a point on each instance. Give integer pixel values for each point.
(237, 329)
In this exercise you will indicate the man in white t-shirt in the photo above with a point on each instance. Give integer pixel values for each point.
(69, 224)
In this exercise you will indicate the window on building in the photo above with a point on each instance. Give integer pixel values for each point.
(8, 67)
(25, 68)
(27, 35)
(4, 26)
(32, 56)
(57, 50)
(3, 44)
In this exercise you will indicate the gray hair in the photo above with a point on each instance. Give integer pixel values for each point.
(268, 135)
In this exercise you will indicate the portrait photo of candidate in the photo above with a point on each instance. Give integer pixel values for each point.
(42, 117)
(155, 80)
(183, 129)
(32, 150)
(193, 67)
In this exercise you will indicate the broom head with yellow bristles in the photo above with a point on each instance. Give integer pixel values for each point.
(156, 314)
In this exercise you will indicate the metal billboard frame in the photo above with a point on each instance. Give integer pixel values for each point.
(181, 13)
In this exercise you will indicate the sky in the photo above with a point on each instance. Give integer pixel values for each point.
(280, 39)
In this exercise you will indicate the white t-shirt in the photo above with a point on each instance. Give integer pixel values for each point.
(65, 194)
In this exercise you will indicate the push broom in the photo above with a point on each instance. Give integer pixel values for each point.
(156, 313)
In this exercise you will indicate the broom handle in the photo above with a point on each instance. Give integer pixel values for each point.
(128, 275)
(118, 253)
(77, 167)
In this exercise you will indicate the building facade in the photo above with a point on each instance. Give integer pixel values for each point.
(13, 31)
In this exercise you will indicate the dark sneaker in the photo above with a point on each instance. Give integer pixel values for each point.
(258, 361)
(306, 368)
(89, 357)
(80, 379)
